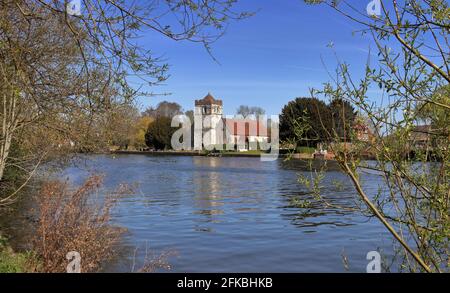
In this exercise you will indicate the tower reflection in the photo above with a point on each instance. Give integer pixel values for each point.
(208, 196)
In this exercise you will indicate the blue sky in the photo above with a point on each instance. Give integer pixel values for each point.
(266, 60)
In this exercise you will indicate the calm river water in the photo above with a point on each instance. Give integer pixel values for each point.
(235, 215)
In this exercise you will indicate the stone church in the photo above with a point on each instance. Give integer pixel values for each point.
(212, 130)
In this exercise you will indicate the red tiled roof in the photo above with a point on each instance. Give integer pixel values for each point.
(252, 127)
(208, 100)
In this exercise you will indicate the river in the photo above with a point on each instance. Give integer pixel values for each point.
(235, 215)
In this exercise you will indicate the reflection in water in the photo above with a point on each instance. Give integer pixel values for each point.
(207, 189)
(239, 214)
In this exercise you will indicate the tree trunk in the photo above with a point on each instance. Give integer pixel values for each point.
(4, 152)
(9, 123)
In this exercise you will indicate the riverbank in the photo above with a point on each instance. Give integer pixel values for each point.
(250, 154)
(209, 154)
(15, 253)
(190, 153)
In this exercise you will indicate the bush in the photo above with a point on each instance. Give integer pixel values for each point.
(74, 221)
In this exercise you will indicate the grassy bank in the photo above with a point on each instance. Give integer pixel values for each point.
(16, 262)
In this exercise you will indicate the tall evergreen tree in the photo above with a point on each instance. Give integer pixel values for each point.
(311, 111)
(342, 116)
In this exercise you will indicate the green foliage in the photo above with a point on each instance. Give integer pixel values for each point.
(159, 133)
(300, 203)
(432, 112)
(305, 150)
(139, 131)
(309, 121)
(12, 262)
(338, 185)
(342, 117)
(309, 111)
(313, 183)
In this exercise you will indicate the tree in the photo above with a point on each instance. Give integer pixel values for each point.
(140, 130)
(42, 92)
(342, 117)
(413, 201)
(311, 111)
(190, 115)
(159, 133)
(121, 126)
(165, 109)
(61, 75)
(246, 111)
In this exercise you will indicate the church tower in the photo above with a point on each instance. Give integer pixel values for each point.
(207, 117)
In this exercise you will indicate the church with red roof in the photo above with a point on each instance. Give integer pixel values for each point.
(212, 130)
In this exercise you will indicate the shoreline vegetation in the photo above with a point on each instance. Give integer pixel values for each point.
(58, 218)
(249, 154)
(62, 217)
